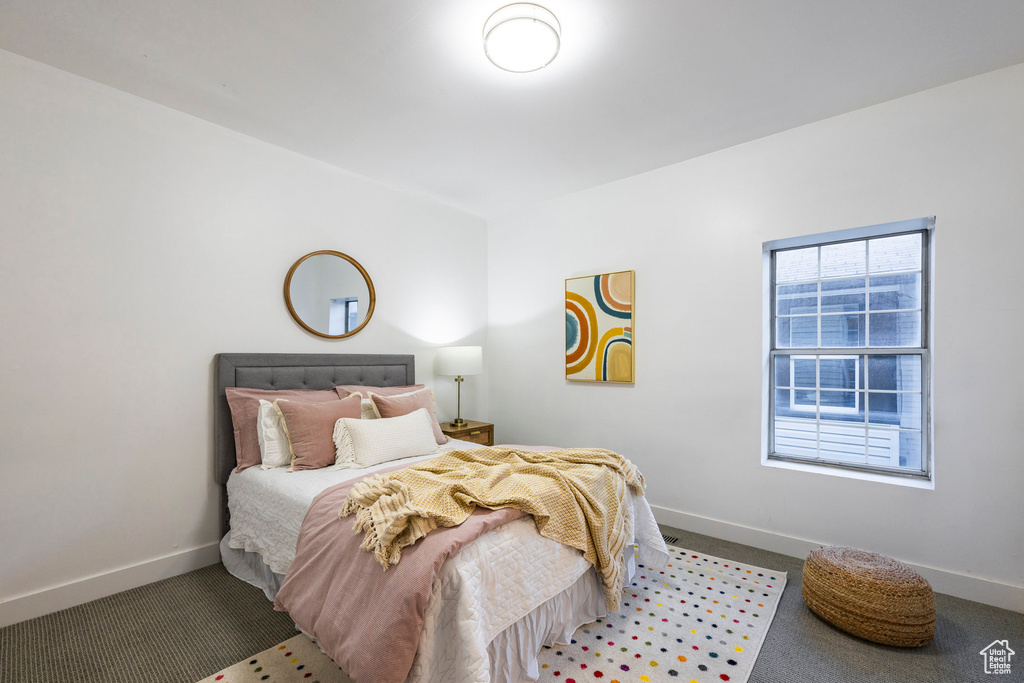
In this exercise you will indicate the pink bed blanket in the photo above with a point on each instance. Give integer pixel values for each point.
(367, 619)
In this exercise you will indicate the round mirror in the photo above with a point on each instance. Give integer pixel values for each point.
(329, 294)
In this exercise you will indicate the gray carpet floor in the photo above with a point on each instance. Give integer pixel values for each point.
(179, 630)
(185, 628)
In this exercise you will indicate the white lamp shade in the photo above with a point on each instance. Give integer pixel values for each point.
(460, 360)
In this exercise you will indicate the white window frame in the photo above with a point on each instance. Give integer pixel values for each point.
(921, 479)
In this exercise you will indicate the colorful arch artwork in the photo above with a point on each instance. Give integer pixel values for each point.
(599, 327)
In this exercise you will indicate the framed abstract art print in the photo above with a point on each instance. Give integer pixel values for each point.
(599, 328)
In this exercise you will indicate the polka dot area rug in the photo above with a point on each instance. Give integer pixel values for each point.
(296, 660)
(700, 619)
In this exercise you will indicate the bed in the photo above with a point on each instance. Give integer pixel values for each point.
(491, 607)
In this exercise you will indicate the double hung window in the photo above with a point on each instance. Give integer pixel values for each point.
(848, 349)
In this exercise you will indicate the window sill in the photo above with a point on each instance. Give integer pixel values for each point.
(915, 483)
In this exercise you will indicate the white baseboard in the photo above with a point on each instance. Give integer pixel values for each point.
(986, 591)
(31, 605)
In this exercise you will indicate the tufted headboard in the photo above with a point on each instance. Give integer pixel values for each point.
(292, 371)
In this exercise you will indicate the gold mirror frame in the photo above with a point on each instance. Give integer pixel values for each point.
(362, 271)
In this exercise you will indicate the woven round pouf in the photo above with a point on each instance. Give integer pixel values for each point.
(869, 595)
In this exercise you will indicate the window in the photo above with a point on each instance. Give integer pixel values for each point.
(847, 349)
(344, 315)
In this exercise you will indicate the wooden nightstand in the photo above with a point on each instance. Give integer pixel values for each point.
(477, 432)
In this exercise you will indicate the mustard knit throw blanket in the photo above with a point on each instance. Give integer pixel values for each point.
(577, 496)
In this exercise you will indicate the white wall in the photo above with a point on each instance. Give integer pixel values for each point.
(693, 234)
(137, 242)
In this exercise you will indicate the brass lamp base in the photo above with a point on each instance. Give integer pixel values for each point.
(458, 421)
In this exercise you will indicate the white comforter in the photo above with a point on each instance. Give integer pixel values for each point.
(486, 588)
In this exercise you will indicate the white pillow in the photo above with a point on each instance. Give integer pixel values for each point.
(275, 448)
(362, 443)
(366, 408)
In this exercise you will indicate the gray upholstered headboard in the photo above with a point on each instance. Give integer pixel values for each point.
(292, 371)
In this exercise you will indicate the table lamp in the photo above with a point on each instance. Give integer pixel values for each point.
(459, 361)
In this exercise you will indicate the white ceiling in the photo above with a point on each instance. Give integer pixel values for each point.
(400, 90)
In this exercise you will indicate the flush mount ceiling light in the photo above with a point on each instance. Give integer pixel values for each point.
(522, 37)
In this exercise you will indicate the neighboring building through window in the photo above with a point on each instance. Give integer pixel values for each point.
(848, 362)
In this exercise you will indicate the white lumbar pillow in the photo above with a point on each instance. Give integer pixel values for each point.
(362, 443)
(275, 448)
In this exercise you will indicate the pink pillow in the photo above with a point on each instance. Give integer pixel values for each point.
(245, 406)
(346, 389)
(310, 429)
(396, 406)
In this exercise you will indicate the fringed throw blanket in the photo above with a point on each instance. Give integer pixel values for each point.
(577, 496)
